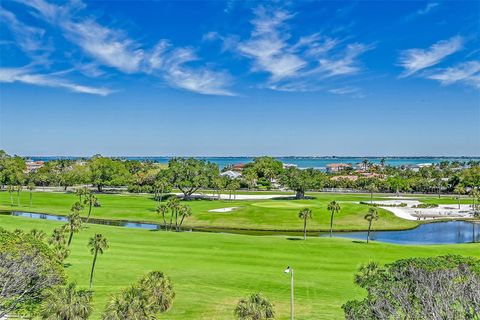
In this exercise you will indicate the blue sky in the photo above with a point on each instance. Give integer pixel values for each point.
(240, 78)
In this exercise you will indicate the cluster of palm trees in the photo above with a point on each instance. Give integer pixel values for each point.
(255, 306)
(334, 208)
(178, 213)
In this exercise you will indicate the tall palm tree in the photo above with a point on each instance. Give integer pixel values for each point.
(372, 187)
(18, 189)
(11, 190)
(162, 210)
(382, 162)
(66, 303)
(185, 211)
(459, 190)
(98, 244)
(334, 208)
(158, 290)
(255, 307)
(174, 204)
(90, 200)
(365, 164)
(370, 216)
(31, 187)
(305, 214)
(74, 223)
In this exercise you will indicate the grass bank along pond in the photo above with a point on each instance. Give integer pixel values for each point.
(450, 232)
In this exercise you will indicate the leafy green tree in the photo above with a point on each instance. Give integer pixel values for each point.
(334, 208)
(107, 172)
(19, 190)
(301, 180)
(445, 287)
(189, 174)
(97, 244)
(266, 167)
(12, 170)
(219, 183)
(66, 303)
(232, 186)
(371, 216)
(31, 187)
(305, 214)
(162, 184)
(254, 307)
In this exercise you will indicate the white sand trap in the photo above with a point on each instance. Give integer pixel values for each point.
(443, 211)
(223, 209)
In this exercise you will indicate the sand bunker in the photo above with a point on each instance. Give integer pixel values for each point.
(223, 209)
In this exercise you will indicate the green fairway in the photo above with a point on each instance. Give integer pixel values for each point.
(272, 214)
(212, 271)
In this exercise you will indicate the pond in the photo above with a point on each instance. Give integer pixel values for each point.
(429, 233)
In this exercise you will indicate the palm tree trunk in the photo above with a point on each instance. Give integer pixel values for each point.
(369, 226)
(305, 229)
(458, 202)
(11, 199)
(164, 222)
(171, 219)
(371, 197)
(30, 198)
(181, 221)
(93, 268)
(331, 225)
(176, 220)
(18, 198)
(70, 238)
(89, 210)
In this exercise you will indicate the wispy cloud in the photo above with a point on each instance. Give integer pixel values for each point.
(25, 75)
(467, 73)
(114, 48)
(429, 7)
(414, 60)
(293, 64)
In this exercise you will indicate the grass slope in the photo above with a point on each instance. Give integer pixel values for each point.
(251, 214)
(212, 271)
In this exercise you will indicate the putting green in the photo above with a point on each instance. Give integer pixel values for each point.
(282, 204)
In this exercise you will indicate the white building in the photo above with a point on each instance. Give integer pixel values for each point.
(231, 174)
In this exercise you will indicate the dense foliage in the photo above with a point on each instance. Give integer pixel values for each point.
(446, 287)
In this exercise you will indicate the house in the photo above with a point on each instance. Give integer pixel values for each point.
(231, 174)
(238, 167)
(33, 165)
(337, 167)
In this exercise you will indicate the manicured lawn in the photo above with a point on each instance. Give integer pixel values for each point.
(212, 271)
(251, 214)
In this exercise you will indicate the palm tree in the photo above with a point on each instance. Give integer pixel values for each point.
(174, 204)
(475, 197)
(66, 303)
(57, 237)
(365, 164)
(31, 187)
(131, 303)
(305, 214)
(158, 290)
(382, 162)
(80, 192)
(61, 252)
(372, 187)
(370, 216)
(11, 190)
(18, 189)
(255, 307)
(74, 223)
(98, 244)
(459, 190)
(90, 200)
(185, 211)
(162, 210)
(333, 207)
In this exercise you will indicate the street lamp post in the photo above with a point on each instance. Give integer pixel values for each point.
(290, 270)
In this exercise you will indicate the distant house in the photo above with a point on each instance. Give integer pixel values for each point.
(348, 178)
(33, 165)
(337, 167)
(231, 174)
(238, 167)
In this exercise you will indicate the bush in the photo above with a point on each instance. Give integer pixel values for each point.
(135, 188)
(425, 205)
(445, 287)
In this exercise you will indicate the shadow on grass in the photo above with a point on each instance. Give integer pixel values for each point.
(294, 239)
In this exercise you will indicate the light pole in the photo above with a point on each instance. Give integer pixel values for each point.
(290, 270)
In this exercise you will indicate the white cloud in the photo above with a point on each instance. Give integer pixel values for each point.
(114, 48)
(414, 60)
(293, 64)
(429, 7)
(466, 72)
(25, 75)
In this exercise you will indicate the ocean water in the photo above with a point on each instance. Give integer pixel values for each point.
(301, 162)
